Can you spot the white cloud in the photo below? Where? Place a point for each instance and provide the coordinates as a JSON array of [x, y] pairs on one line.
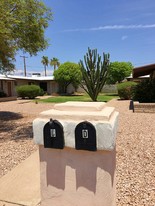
[[48, 72], [17, 72], [113, 27], [124, 37]]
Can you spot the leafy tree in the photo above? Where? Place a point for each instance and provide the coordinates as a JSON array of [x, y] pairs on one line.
[[67, 73], [45, 62], [22, 27], [118, 71], [55, 62], [94, 72]]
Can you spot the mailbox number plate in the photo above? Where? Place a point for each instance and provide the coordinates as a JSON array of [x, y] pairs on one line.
[[53, 132], [84, 133]]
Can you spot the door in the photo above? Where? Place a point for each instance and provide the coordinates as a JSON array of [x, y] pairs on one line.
[[1, 86], [43, 85], [9, 89]]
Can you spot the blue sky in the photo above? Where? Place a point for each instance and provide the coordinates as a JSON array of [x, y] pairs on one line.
[[125, 29]]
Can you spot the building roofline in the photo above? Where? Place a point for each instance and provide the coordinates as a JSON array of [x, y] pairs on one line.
[[3, 77], [47, 78], [143, 70]]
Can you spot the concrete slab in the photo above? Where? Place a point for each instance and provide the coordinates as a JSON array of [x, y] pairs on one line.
[[21, 186], [8, 204]]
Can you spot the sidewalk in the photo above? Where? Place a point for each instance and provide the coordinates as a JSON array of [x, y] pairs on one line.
[[21, 186]]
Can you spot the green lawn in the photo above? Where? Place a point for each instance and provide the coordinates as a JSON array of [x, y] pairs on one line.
[[83, 98]]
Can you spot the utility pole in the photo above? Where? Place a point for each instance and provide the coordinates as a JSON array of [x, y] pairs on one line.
[[24, 57]]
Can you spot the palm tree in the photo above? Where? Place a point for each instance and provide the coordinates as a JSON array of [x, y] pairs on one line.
[[45, 62], [55, 62]]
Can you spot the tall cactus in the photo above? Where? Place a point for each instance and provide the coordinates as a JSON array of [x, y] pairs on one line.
[[94, 72]]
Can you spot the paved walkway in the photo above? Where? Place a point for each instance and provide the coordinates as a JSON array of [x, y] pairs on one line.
[[21, 186]]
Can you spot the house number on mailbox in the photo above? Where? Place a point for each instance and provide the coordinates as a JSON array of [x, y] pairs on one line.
[[85, 136], [85, 133], [53, 132]]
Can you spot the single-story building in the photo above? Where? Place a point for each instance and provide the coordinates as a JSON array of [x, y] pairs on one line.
[[144, 70], [7, 85], [47, 83], [142, 73], [137, 79]]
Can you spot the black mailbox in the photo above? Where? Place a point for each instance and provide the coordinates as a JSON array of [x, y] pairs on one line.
[[85, 136], [53, 135]]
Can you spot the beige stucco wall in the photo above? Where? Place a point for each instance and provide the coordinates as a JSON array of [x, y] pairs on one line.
[[13, 89], [20, 82], [52, 87], [72, 177], [106, 89], [70, 89]]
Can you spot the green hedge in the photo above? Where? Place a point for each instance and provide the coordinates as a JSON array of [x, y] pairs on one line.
[[30, 91], [144, 92], [2, 94], [125, 90]]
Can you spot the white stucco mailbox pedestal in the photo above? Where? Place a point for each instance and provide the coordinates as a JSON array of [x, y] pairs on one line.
[[72, 176]]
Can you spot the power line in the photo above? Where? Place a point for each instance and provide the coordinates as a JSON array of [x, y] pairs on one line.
[[24, 57]]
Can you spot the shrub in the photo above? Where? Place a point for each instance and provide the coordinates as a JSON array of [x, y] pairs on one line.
[[30, 91], [2, 94], [145, 91], [125, 90], [41, 92]]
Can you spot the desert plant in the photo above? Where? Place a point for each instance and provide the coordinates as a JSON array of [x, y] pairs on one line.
[[125, 90], [94, 72], [145, 91], [30, 91]]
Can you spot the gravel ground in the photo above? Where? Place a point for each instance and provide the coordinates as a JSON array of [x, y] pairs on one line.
[[135, 157], [135, 147], [16, 142]]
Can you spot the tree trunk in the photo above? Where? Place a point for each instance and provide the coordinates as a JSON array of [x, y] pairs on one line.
[[45, 70]]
